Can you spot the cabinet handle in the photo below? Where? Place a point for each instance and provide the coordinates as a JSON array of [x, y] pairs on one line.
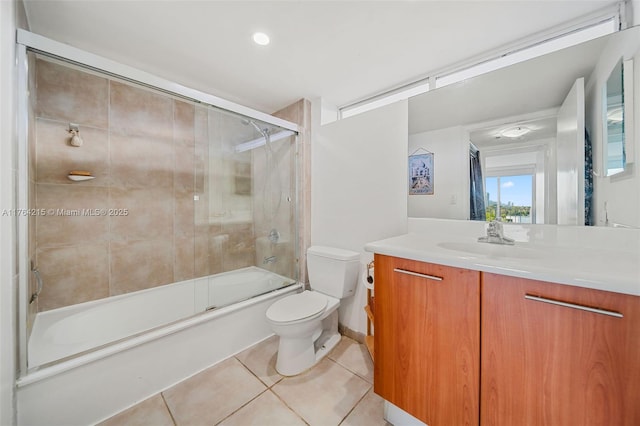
[[574, 306], [418, 274]]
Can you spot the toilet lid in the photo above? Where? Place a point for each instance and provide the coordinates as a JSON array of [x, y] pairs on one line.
[[297, 306]]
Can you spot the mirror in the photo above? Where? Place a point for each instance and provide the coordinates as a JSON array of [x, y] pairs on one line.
[[618, 95], [614, 122], [537, 126]]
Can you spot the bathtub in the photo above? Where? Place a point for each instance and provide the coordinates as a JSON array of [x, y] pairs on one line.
[[60, 333], [110, 354]]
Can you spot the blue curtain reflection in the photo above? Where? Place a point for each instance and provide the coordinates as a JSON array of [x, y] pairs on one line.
[[477, 206]]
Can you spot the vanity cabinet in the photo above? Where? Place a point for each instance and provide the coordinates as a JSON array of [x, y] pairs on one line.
[[558, 355], [427, 340], [550, 354]]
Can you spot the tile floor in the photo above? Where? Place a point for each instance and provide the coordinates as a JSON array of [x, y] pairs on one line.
[[246, 390]]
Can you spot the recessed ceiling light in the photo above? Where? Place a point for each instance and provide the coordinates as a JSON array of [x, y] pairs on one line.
[[515, 132], [261, 38]]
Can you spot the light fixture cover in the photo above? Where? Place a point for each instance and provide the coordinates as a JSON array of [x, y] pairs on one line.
[[515, 132], [261, 38]]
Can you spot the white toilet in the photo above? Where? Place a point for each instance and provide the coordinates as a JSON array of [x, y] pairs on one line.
[[307, 322]]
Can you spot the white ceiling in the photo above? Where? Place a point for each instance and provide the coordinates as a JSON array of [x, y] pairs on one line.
[[341, 51]]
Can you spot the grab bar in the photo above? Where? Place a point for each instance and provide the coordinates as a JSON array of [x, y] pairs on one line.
[[35, 295]]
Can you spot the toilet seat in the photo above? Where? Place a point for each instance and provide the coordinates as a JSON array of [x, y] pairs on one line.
[[297, 307]]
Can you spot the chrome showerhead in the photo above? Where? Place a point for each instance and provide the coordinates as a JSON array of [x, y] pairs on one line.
[[264, 132]]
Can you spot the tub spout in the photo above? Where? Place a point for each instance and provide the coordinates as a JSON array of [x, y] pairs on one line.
[[270, 259]]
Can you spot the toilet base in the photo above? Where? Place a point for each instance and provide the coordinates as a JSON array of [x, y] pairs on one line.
[[296, 355], [329, 342]]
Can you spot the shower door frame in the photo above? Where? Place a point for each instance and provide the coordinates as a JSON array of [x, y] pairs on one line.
[[27, 41]]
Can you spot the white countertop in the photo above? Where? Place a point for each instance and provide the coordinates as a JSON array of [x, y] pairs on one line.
[[592, 257]]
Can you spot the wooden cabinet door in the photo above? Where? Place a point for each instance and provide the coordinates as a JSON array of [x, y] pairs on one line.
[[427, 341], [545, 363]]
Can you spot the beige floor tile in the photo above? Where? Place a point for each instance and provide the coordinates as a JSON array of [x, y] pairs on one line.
[[368, 412], [265, 410], [210, 396], [152, 411], [261, 360], [324, 395], [355, 357]]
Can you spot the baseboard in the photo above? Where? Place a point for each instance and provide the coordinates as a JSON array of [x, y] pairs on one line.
[[352, 334]]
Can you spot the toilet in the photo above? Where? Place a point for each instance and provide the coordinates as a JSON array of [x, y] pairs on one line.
[[307, 322]]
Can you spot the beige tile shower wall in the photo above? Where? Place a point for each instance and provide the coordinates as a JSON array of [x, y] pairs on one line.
[[300, 113], [228, 226], [274, 197], [145, 154]]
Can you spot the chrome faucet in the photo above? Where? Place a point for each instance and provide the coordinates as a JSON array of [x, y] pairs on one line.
[[270, 259], [495, 234]]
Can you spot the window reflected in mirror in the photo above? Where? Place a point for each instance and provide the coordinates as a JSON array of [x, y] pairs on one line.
[[510, 198]]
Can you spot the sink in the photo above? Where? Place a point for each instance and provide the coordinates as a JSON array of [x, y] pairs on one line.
[[493, 250]]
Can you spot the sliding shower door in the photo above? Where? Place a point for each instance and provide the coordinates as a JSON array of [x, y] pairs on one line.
[[134, 189], [245, 208]]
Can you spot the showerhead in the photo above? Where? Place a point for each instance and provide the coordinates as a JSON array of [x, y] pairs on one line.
[[263, 132], [265, 140]]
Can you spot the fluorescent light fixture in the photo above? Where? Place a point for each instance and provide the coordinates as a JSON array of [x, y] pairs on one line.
[[256, 143], [261, 38], [515, 132], [553, 45]]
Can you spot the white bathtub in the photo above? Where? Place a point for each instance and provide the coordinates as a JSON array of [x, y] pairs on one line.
[[68, 331], [170, 343]]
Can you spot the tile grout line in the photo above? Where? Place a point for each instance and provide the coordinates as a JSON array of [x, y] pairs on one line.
[[258, 377], [270, 388], [357, 375], [173, 419], [267, 389], [252, 399], [356, 404], [351, 371], [289, 407], [243, 405]]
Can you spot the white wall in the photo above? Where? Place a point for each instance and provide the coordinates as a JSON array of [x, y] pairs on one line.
[[358, 188], [634, 17], [450, 199], [620, 193], [8, 175]]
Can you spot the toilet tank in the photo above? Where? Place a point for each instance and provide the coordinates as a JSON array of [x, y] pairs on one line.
[[333, 271]]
